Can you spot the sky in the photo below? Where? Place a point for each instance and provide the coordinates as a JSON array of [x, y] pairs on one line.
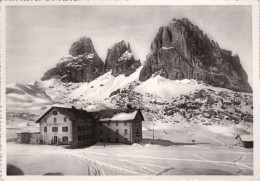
[[38, 36]]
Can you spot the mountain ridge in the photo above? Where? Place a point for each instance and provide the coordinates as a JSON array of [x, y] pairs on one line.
[[181, 50]]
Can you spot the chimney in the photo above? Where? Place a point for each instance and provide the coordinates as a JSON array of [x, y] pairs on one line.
[[73, 107]]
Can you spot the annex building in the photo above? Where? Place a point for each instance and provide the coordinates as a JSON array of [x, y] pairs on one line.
[[77, 127]]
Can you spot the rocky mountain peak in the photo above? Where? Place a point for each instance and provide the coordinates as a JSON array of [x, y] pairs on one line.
[[83, 45], [82, 65], [182, 51], [121, 60]]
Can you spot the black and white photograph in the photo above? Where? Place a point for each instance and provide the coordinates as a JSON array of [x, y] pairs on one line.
[[129, 90]]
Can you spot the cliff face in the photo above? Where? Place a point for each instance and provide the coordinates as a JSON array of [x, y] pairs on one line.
[[82, 65], [182, 51], [121, 60]]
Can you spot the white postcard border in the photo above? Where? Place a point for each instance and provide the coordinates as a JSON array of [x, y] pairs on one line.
[[256, 87]]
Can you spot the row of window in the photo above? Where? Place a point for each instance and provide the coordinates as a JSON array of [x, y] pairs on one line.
[[55, 120], [84, 128], [109, 123], [109, 140], [109, 131], [83, 137], [55, 129]]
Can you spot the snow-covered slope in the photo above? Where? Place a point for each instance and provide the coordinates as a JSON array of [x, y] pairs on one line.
[[176, 101], [166, 88], [20, 96], [92, 92]]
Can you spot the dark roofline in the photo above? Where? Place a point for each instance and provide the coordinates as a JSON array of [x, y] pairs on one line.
[[56, 107], [53, 107], [38, 120], [238, 136], [140, 112]]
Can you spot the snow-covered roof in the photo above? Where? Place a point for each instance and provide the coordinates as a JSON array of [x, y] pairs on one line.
[[104, 119], [124, 116], [121, 116], [246, 137]]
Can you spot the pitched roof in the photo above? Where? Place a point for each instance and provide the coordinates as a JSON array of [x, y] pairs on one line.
[[72, 113], [124, 116], [116, 114], [245, 138], [103, 115]]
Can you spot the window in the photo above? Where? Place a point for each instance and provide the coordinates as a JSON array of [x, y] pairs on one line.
[[101, 139], [100, 124], [85, 137], [108, 139], [55, 112], [65, 138], [79, 138], [116, 123], [45, 120], [125, 123], [117, 131], [65, 119], [117, 140], [125, 131], [100, 132], [54, 129], [83, 128], [108, 123], [80, 128], [65, 129], [108, 131], [125, 139], [45, 129], [55, 120]]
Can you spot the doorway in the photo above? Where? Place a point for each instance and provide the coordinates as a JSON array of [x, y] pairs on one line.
[[55, 139]]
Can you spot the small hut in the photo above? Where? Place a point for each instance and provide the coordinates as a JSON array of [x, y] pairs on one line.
[[28, 137], [245, 140]]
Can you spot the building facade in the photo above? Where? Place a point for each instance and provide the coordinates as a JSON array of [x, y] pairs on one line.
[[122, 127], [76, 127], [69, 126]]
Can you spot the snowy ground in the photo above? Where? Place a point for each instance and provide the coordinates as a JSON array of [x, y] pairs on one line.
[[171, 153], [194, 144]]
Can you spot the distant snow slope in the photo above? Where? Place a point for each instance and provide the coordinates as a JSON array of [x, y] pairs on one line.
[[162, 87], [23, 96], [103, 86], [157, 95]]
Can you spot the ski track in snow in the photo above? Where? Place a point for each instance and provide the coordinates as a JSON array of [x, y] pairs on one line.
[[178, 159], [223, 144], [98, 164], [210, 161], [139, 165]]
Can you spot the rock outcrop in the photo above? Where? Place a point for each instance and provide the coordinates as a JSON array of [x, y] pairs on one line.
[[182, 51], [82, 65], [121, 60]]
